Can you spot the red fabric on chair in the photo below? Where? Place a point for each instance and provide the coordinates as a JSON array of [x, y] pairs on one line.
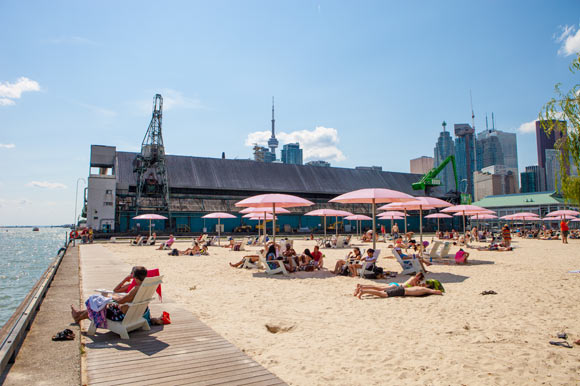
[[150, 273]]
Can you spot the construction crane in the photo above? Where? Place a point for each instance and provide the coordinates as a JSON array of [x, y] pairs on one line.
[[151, 167], [429, 180]]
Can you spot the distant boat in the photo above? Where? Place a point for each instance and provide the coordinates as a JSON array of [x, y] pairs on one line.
[[35, 229]]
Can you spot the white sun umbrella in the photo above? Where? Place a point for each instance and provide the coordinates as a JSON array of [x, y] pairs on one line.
[[372, 196], [329, 212], [219, 216], [150, 217], [438, 216], [274, 201], [264, 211], [564, 214], [359, 218]]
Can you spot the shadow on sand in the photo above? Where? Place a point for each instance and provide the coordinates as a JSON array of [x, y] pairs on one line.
[[140, 340]]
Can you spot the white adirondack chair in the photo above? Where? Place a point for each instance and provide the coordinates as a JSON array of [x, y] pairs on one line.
[[410, 266], [134, 317], [434, 247], [363, 271], [272, 271], [445, 250]]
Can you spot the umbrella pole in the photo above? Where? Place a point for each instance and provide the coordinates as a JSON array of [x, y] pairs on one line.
[[437, 224], [149, 229], [274, 222], [336, 226], [374, 224], [265, 224], [421, 222], [464, 224], [405, 222], [219, 231], [324, 228]]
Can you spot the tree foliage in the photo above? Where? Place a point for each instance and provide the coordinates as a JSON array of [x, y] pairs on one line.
[[565, 106]]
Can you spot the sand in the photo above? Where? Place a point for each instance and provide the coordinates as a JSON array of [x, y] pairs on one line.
[[327, 336]]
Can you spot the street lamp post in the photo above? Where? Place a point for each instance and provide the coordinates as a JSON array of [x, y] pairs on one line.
[[76, 203]]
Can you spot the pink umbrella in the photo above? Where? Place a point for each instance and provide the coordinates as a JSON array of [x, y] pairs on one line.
[[372, 196], [564, 214], [462, 210], [264, 211], [359, 218], [395, 212], [149, 217], [274, 200], [551, 219], [329, 212], [438, 216], [483, 217], [219, 216], [267, 216], [421, 203]]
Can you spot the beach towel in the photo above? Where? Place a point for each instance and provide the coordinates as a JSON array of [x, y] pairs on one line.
[[435, 284], [150, 273], [98, 314]]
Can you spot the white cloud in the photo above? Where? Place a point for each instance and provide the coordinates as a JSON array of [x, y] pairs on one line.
[[527, 127], [5, 203], [318, 144], [46, 185], [99, 110], [73, 40], [7, 146], [10, 91], [570, 39], [172, 99]]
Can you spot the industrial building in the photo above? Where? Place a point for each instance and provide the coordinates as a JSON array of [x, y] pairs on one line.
[[200, 185]]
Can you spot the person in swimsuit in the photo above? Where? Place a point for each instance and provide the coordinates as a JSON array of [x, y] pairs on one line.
[[395, 290], [116, 310], [414, 281], [351, 258]]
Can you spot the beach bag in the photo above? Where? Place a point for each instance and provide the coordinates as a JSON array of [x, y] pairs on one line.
[[435, 284], [175, 252]]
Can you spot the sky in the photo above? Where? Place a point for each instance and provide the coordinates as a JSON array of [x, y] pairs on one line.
[[356, 83]]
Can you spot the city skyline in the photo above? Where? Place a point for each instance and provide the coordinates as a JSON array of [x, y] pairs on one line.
[[350, 80]]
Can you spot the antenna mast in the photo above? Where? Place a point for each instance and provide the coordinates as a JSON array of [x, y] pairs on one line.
[[474, 133]]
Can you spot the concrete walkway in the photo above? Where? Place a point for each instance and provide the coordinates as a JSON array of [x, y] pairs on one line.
[[184, 352], [41, 361]]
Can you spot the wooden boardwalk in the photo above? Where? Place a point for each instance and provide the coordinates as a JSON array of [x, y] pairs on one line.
[[186, 352]]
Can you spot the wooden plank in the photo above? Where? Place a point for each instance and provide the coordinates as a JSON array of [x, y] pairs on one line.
[[184, 352]]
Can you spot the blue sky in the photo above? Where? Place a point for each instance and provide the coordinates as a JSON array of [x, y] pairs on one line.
[[359, 83]]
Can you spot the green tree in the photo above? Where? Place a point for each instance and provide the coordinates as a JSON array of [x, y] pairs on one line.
[[565, 106]]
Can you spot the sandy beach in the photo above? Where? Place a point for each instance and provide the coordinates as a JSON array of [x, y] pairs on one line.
[[328, 336]]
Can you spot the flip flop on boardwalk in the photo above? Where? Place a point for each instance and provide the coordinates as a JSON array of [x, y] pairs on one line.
[[65, 334]]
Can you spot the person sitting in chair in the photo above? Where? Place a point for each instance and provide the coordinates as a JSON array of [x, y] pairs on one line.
[[138, 240], [341, 267], [369, 262], [167, 244]]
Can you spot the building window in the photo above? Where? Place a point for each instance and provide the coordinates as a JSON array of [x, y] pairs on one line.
[[108, 203], [108, 191], [95, 218]]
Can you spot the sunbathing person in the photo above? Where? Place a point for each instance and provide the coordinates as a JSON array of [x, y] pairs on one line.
[[193, 251], [138, 240], [369, 262], [271, 255], [341, 266], [495, 247], [415, 281], [167, 244], [153, 239], [418, 257], [252, 258], [318, 258], [396, 290], [116, 309]]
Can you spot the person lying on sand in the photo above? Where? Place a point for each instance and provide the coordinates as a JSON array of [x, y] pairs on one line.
[[414, 281], [495, 247], [116, 310], [395, 291], [195, 250]]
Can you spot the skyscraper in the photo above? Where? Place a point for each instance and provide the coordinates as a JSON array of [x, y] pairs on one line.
[[291, 154], [496, 147], [545, 141], [465, 154], [533, 179], [273, 142], [443, 149], [421, 165], [552, 169]]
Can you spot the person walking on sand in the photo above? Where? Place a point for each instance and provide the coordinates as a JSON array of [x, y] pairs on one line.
[[564, 229], [507, 236]]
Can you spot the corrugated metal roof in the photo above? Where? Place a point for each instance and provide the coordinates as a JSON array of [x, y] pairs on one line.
[[521, 199], [248, 175]]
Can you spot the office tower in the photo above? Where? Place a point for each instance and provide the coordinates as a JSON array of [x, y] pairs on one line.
[[443, 149], [533, 179], [318, 163], [263, 154], [496, 147], [421, 165], [291, 154], [552, 169], [465, 155], [545, 141]]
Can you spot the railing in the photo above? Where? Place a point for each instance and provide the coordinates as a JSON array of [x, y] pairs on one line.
[[18, 325]]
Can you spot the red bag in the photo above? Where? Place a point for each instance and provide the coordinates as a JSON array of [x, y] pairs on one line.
[[165, 318]]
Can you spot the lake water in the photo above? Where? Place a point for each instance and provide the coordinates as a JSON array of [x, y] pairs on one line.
[[24, 256]]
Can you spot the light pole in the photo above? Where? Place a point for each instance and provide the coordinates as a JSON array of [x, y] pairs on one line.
[[76, 203]]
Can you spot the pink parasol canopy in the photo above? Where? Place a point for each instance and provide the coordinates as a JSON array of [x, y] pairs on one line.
[[359, 218], [521, 216], [266, 210], [576, 220], [438, 216], [274, 200], [372, 196], [389, 216], [567, 213], [395, 212], [150, 217], [463, 210], [219, 216], [551, 219], [483, 217], [329, 212]]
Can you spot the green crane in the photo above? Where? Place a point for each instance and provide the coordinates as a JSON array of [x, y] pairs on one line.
[[429, 180]]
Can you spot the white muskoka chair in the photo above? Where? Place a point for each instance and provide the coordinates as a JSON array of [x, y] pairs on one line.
[[445, 250], [410, 266], [134, 317], [363, 271], [272, 271]]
